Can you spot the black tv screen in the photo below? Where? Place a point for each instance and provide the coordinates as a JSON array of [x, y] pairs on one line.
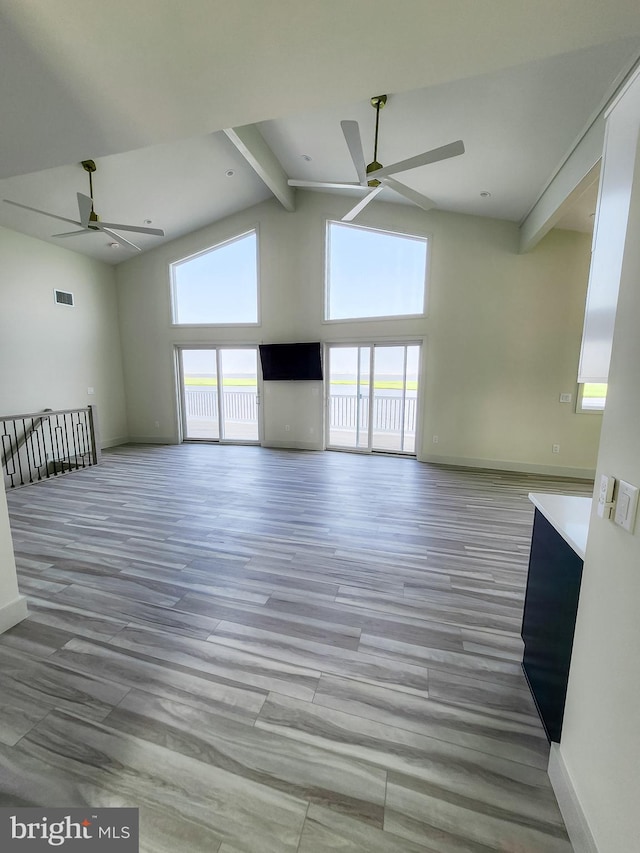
[[291, 361]]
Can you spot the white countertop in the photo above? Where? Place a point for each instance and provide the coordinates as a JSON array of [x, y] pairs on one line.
[[569, 515]]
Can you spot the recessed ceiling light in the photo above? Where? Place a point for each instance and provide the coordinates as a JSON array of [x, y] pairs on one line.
[[114, 245], [148, 221], [306, 157], [230, 173], [485, 194]]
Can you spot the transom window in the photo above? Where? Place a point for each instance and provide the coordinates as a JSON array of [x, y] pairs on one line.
[[372, 273], [219, 285]]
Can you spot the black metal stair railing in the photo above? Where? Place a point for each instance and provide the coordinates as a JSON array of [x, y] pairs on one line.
[[40, 445]]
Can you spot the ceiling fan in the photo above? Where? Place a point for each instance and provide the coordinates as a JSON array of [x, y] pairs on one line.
[[375, 176], [89, 221]]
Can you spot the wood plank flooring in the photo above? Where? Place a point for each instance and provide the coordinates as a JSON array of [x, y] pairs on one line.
[[279, 651]]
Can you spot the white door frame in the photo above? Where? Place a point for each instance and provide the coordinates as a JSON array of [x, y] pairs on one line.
[[372, 344], [182, 413]]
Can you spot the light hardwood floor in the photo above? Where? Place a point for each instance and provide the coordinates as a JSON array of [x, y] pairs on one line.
[[275, 651]]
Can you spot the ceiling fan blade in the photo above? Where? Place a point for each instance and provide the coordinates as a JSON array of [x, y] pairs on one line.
[[422, 201], [43, 212], [73, 233], [324, 184], [156, 232], [118, 238], [85, 206], [351, 133], [453, 149], [360, 206]]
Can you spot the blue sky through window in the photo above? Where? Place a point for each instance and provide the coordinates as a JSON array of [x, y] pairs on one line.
[[374, 273], [220, 285]]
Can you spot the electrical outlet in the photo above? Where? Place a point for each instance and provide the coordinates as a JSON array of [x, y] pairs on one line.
[[157, 424], [90, 391], [435, 439], [555, 448], [565, 398], [287, 427]]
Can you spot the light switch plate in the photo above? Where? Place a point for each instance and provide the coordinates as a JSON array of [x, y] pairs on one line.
[[626, 506], [605, 496]]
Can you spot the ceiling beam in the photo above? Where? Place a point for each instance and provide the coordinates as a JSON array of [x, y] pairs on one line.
[[250, 143], [576, 174]]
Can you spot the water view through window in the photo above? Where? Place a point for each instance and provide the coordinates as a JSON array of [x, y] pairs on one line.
[[220, 394], [373, 395]]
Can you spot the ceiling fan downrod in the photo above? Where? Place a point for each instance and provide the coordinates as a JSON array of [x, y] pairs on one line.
[[90, 167], [377, 103]]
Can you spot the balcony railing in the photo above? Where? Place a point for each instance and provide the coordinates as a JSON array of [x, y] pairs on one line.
[[388, 414], [237, 405], [40, 445]]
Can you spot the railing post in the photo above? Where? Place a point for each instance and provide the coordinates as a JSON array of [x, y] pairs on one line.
[[94, 428]]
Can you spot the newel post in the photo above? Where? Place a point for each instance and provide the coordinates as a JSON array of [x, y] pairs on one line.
[[94, 428]]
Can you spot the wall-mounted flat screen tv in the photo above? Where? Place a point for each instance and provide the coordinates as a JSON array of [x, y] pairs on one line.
[[291, 361]]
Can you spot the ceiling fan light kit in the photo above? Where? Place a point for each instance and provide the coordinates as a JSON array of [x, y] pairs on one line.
[[89, 221], [374, 175]]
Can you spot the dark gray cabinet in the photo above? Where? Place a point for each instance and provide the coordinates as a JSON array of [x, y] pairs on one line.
[[548, 625]]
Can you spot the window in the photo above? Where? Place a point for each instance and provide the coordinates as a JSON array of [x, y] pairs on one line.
[[219, 285], [591, 397], [373, 273]]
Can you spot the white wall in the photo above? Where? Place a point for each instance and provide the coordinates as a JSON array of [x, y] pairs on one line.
[[502, 335], [612, 214], [600, 745], [503, 345], [51, 354], [13, 606]]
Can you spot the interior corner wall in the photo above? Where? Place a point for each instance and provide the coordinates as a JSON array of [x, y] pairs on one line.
[[504, 344], [50, 354], [600, 745], [502, 335]]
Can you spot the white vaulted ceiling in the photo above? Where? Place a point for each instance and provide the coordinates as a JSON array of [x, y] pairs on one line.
[[145, 88]]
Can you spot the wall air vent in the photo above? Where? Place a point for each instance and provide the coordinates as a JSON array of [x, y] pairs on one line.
[[63, 298]]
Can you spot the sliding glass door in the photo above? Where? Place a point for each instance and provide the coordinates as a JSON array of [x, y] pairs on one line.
[[220, 394], [348, 402], [372, 397], [395, 396]]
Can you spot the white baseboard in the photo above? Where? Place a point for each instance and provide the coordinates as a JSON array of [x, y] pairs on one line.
[[152, 439], [570, 808], [12, 613], [522, 467], [292, 445], [114, 442]]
